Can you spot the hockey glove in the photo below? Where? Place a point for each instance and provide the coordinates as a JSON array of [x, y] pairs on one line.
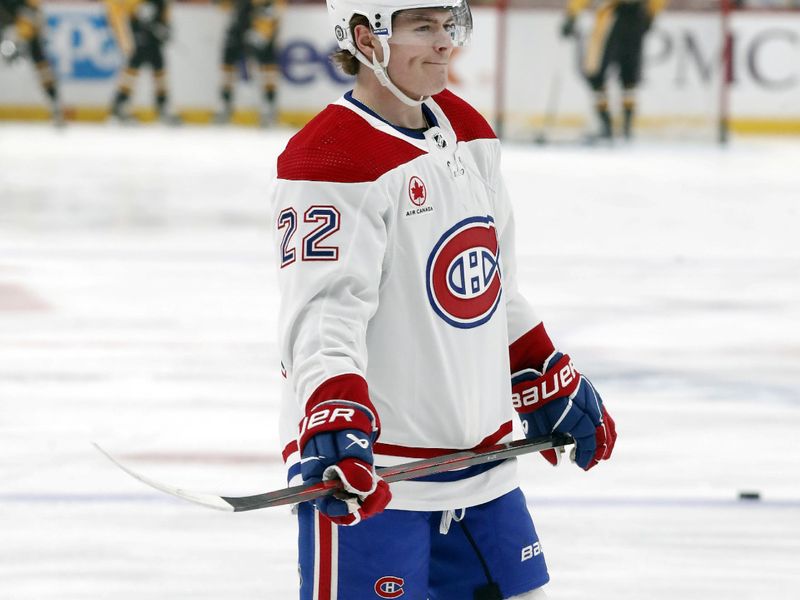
[[9, 50], [561, 399], [336, 438]]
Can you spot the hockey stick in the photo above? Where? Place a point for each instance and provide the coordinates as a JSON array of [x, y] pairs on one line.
[[410, 470], [553, 99], [551, 109]]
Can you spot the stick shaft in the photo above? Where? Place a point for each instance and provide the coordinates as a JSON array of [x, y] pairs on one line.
[[404, 472]]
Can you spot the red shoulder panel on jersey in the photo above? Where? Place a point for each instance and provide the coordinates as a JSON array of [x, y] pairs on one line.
[[339, 146], [467, 122]]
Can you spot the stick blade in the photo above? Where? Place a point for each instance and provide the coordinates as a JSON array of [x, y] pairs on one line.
[[403, 472], [207, 500]]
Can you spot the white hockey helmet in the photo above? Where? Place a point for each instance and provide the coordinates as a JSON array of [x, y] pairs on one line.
[[379, 14]]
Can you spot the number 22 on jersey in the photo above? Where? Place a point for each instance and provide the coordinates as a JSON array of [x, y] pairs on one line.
[[322, 221]]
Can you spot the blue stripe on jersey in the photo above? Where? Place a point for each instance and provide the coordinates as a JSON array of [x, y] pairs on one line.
[[293, 472], [414, 133], [458, 475]]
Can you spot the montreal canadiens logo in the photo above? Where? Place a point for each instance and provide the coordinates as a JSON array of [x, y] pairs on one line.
[[463, 274], [416, 191], [389, 587]]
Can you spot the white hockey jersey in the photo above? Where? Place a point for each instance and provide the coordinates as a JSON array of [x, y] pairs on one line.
[[396, 267]]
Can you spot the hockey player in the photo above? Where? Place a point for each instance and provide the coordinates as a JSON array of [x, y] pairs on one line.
[[142, 28], [26, 17], [253, 31], [402, 331], [616, 39]]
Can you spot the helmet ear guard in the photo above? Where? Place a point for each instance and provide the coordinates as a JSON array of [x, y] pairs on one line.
[[379, 17]]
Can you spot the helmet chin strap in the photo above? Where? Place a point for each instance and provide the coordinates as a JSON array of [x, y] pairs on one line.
[[382, 75]]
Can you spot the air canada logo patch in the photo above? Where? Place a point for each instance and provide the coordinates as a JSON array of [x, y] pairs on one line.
[[418, 195], [416, 191], [463, 274], [389, 587]]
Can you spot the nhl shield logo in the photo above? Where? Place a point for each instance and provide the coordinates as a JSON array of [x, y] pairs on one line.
[[416, 191], [463, 273]]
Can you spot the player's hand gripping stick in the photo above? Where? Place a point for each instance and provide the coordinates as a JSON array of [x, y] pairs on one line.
[[336, 438], [560, 399]]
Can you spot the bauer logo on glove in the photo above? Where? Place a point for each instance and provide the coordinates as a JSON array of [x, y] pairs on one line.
[[560, 399], [560, 380], [336, 440]]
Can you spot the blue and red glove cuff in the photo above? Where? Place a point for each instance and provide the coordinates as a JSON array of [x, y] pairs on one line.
[[530, 389], [349, 387], [337, 416], [339, 403]]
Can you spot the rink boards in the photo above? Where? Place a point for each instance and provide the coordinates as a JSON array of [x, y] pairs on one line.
[[683, 81]]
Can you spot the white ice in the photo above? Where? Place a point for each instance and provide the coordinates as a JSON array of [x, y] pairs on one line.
[[137, 310]]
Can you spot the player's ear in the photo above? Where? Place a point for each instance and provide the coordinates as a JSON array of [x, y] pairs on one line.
[[365, 41]]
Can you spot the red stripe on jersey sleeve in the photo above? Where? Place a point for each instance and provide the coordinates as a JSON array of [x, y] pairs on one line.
[[531, 350], [348, 386], [290, 449], [467, 122], [339, 146]]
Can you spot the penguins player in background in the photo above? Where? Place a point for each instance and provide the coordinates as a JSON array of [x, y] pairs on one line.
[[142, 28], [252, 32], [616, 39], [25, 17]]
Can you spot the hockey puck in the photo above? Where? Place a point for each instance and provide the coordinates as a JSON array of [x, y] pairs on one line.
[[748, 495]]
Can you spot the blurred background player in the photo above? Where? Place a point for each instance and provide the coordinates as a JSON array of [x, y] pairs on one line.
[[616, 39], [253, 31], [25, 17], [141, 28]]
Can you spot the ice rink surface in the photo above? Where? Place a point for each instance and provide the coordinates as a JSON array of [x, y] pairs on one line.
[[137, 310]]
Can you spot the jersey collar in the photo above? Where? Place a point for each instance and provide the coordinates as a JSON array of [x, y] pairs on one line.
[[414, 133]]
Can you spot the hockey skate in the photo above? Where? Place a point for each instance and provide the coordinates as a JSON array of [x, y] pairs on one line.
[[604, 135], [627, 124], [169, 118], [268, 117], [223, 117], [57, 114], [120, 113]]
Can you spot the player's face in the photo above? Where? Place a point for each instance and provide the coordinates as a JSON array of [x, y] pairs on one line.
[[421, 46]]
